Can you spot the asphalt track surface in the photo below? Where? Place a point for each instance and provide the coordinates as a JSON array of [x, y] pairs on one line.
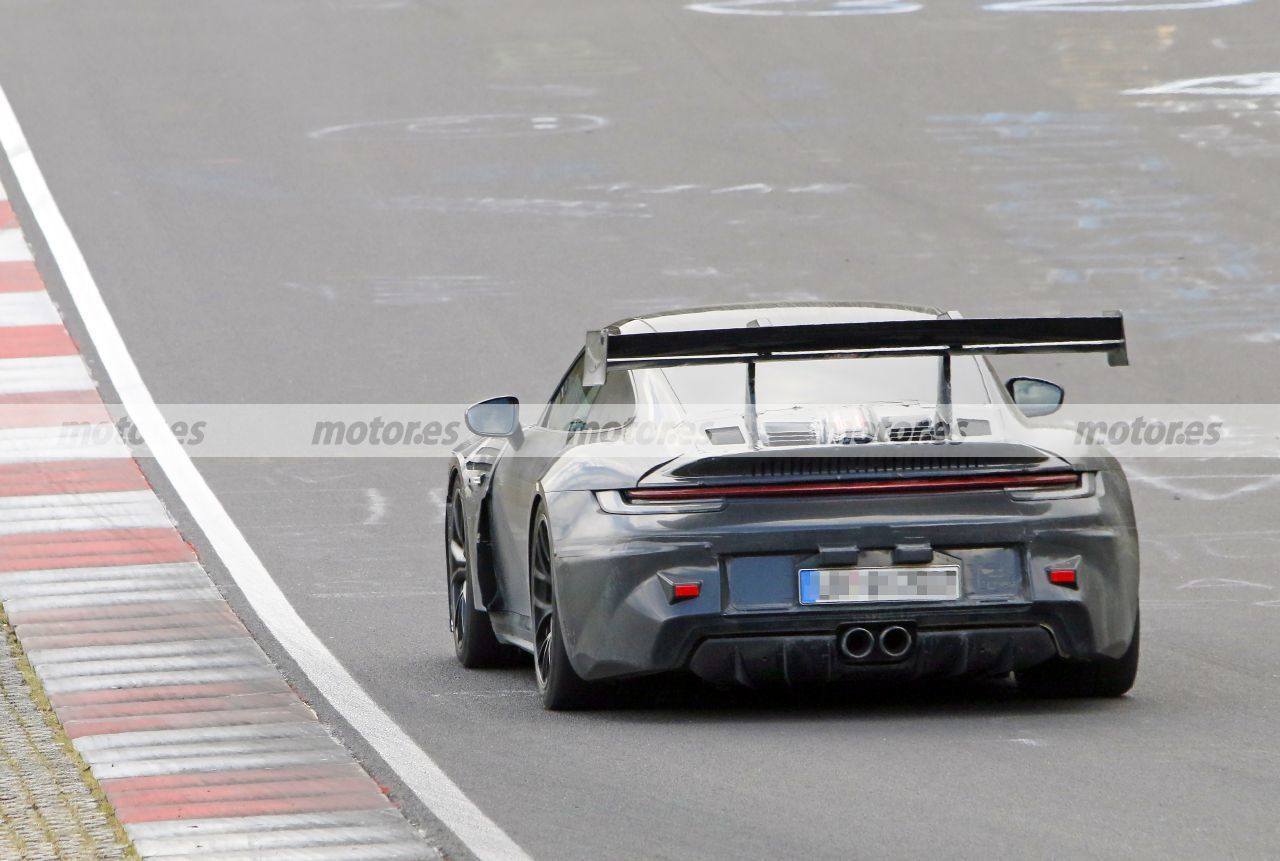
[[266, 228]]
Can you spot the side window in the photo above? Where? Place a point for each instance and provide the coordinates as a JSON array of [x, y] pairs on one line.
[[613, 404], [575, 408], [569, 402]]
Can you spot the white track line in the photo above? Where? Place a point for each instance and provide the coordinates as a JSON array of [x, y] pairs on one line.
[[415, 768]]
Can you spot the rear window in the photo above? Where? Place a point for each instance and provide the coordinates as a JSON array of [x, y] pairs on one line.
[[908, 379]]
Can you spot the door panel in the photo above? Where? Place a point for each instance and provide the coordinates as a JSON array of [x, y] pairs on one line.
[[514, 484]]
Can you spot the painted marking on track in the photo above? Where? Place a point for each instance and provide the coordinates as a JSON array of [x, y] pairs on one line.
[[1108, 5], [419, 772], [1258, 547], [1178, 484], [461, 126], [805, 8], [1221, 583], [1252, 84], [377, 504], [1171, 251], [757, 187], [1235, 114]]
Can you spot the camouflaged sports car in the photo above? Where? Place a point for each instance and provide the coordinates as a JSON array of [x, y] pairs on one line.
[[797, 493]]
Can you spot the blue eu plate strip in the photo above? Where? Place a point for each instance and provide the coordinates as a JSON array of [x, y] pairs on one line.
[[809, 578]]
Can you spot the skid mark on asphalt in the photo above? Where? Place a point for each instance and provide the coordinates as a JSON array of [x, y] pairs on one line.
[[461, 126], [538, 206], [1235, 114], [1110, 5], [1209, 547], [707, 291], [805, 8], [556, 59], [693, 272], [1083, 193], [377, 504], [435, 507], [1096, 62], [373, 5], [1229, 486], [1221, 583], [1254, 84], [393, 292], [560, 91], [383, 594], [633, 189]]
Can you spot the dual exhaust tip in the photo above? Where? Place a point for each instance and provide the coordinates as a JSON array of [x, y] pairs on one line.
[[860, 644]]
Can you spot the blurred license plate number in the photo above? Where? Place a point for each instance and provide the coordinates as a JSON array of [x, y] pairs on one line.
[[869, 585]]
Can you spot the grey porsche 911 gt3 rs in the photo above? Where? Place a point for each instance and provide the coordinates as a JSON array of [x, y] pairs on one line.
[[797, 493]]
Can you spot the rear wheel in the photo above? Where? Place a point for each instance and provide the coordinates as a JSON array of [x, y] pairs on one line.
[[561, 688], [473, 640], [1104, 677]]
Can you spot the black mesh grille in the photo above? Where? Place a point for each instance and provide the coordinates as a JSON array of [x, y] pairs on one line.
[[790, 433], [841, 467], [922, 432]]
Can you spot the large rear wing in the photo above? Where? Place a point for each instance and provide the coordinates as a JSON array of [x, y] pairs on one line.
[[942, 336]]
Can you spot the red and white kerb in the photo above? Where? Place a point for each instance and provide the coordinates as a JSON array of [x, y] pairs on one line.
[[198, 742]]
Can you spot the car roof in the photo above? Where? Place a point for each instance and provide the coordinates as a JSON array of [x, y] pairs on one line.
[[770, 314]]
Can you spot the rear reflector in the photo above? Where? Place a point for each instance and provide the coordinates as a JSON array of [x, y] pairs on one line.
[[686, 590], [1063, 577], [944, 484]]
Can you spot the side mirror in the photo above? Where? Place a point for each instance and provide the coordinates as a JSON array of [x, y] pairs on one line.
[[494, 417], [1035, 397]]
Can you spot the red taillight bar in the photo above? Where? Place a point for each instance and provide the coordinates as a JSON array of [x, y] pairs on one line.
[[894, 485]]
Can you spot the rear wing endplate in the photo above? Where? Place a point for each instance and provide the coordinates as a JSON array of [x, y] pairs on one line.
[[943, 336]]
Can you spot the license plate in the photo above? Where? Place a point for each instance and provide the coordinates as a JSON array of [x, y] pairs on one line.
[[869, 585]]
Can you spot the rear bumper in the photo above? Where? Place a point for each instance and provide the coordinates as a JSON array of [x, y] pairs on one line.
[[747, 625]]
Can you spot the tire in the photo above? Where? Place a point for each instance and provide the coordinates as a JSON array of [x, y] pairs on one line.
[[1104, 677], [561, 688], [473, 639]]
